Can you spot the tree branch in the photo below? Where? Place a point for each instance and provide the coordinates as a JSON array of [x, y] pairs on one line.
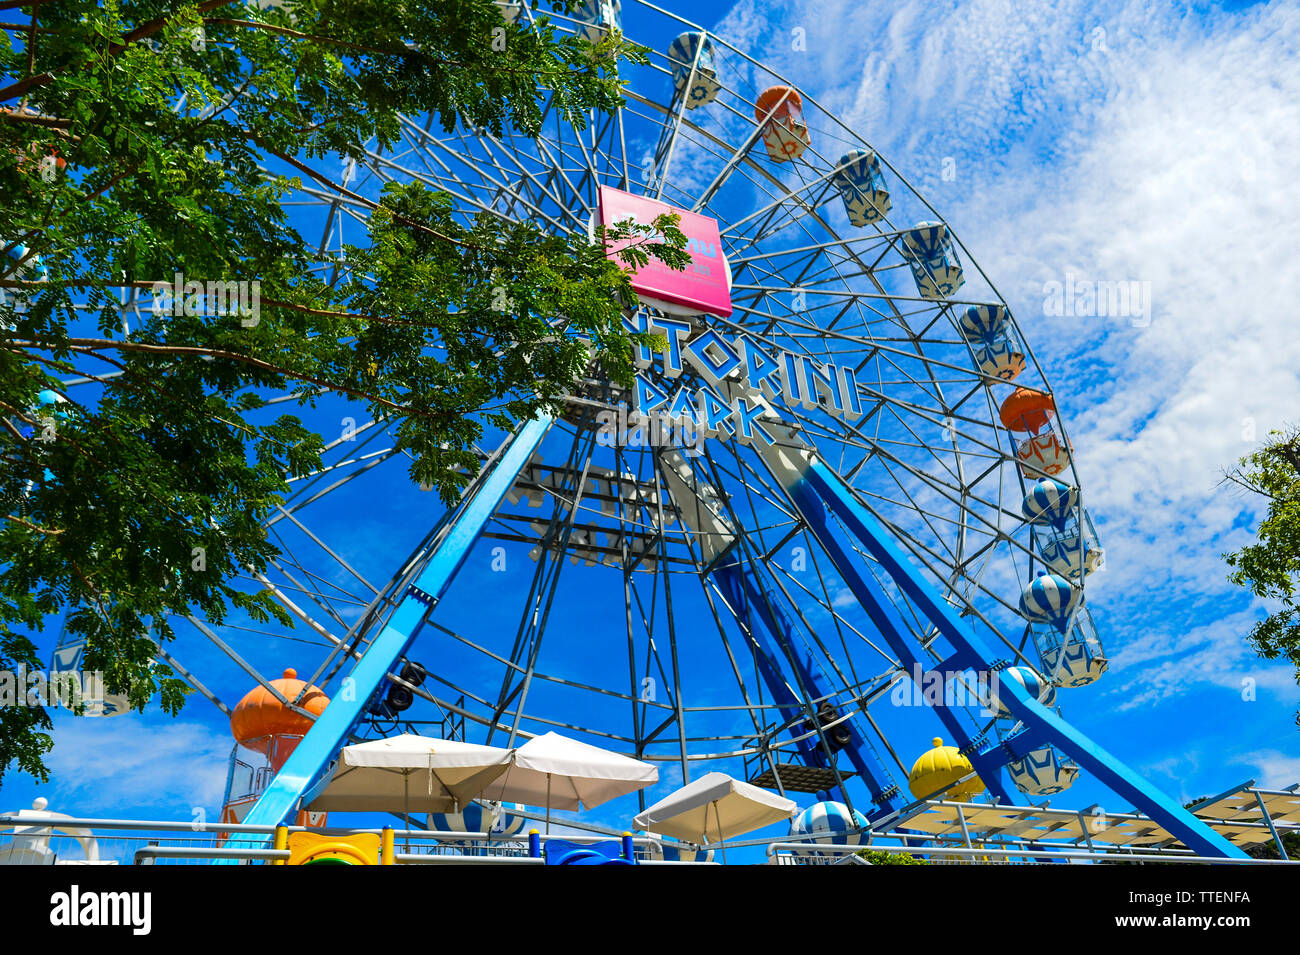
[[30, 526]]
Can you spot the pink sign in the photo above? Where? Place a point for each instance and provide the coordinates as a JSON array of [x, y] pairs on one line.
[[704, 287]]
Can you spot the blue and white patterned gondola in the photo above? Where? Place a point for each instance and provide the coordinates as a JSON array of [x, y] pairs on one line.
[[1034, 683], [47, 412], [31, 270], [1049, 502], [671, 851], [983, 323], [1041, 773], [1003, 360], [1050, 598], [861, 185], [830, 823], [67, 670], [493, 817], [598, 17], [1083, 663], [1070, 554], [988, 330], [929, 251], [1076, 658], [682, 56]]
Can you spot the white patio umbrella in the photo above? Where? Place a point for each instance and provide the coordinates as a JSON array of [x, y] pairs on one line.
[[561, 773], [418, 773], [715, 805]]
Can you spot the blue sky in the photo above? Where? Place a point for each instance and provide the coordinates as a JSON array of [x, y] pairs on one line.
[[1112, 141]]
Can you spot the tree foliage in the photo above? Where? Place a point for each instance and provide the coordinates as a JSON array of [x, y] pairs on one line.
[[879, 857], [1270, 567], [142, 139]]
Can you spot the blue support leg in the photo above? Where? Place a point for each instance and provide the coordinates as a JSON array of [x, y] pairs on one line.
[[747, 599], [819, 486], [873, 599], [345, 711]]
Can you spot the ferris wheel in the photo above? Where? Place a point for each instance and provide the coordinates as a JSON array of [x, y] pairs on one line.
[[843, 483]]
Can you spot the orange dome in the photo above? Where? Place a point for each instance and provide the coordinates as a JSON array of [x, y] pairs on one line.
[[1027, 410], [773, 95], [260, 714]]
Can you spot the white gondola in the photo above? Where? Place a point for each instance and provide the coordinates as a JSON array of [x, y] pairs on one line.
[[18, 266], [1049, 501], [1073, 550], [498, 819], [1043, 454], [691, 57], [73, 685], [983, 323], [510, 9], [861, 185], [929, 251], [598, 17], [830, 823], [1075, 658], [1041, 773], [998, 352], [1050, 599], [1033, 682], [1004, 360], [779, 111]]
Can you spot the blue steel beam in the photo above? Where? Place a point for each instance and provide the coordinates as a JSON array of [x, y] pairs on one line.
[[728, 580], [747, 599], [889, 623], [821, 487], [345, 711]]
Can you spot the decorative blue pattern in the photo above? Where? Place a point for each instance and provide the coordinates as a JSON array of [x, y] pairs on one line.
[[682, 54], [492, 817], [1050, 598], [830, 822], [1041, 773], [1001, 360], [861, 184], [67, 659], [599, 16], [1075, 659], [935, 266], [1069, 553], [1034, 683], [983, 323], [1049, 502]]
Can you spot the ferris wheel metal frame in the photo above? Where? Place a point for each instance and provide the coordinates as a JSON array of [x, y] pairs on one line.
[[916, 570]]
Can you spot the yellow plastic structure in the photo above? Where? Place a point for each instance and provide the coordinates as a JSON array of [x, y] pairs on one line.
[[939, 769], [361, 848]]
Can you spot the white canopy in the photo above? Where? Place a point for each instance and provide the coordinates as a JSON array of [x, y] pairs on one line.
[[715, 806], [561, 773], [407, 772]]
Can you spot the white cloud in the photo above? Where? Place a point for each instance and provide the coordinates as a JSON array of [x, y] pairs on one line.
[[1274, 770], [130, 763]]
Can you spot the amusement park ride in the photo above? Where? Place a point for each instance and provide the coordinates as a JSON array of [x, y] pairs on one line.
[[880, 491]]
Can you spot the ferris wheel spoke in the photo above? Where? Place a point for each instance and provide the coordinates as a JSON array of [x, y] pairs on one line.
[[448, 181]]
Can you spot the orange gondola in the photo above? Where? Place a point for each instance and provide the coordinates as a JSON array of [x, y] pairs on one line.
[[784, 134], [1027, 410]]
